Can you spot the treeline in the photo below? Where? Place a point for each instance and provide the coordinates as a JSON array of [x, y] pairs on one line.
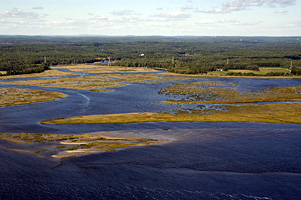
[[13, 68], [187, 55], [28, 57], [254, 74]]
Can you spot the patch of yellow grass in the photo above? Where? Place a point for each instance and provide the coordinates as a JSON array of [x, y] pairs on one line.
[[86, 82], [266, 113], [18, 96]]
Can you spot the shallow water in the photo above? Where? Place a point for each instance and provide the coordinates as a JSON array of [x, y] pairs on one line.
[[201, 161]]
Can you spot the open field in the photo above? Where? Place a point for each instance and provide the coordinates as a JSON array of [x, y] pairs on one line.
[[63, 146], [263, 71], [266, 113], [47, 73], [17, 96]]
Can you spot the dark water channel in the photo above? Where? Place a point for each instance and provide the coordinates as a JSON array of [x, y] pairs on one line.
[[202, 161]]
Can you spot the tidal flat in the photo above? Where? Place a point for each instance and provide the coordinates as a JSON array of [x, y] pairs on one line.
[[64, 146]]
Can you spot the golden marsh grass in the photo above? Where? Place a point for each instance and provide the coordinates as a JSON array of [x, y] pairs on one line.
[[266, 113], [18, 96], [85, 82]]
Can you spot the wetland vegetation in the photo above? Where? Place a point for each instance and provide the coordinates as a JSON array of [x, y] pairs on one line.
[[266, 113], [220, 93], [18, 96]]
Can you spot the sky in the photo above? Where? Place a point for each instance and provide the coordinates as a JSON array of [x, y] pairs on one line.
[[151, 17]]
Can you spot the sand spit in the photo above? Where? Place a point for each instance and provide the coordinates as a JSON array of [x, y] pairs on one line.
[[65, 146]]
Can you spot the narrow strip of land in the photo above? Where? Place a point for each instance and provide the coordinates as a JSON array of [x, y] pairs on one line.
[[266, 113], [62, 146]]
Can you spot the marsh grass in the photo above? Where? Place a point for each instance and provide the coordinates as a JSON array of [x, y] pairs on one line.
[[265, 113], [18, 96], [60, 146], [98, 82], [105, 69], [211, 92], [85, 82]]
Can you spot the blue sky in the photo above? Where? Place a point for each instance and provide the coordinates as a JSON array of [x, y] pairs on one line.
[[152, 17]]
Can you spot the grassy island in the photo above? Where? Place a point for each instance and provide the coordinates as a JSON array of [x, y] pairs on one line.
[[266, 113], [18, 96]]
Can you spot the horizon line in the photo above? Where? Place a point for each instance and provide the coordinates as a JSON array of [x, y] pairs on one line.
[[91, 35]]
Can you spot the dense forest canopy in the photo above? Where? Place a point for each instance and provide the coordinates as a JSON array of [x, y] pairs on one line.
[[192, 55]]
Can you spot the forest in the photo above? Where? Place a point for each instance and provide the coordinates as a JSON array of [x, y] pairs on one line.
[[185, 55]]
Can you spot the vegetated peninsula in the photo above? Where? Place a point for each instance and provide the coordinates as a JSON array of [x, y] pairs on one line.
[[216, 56]]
